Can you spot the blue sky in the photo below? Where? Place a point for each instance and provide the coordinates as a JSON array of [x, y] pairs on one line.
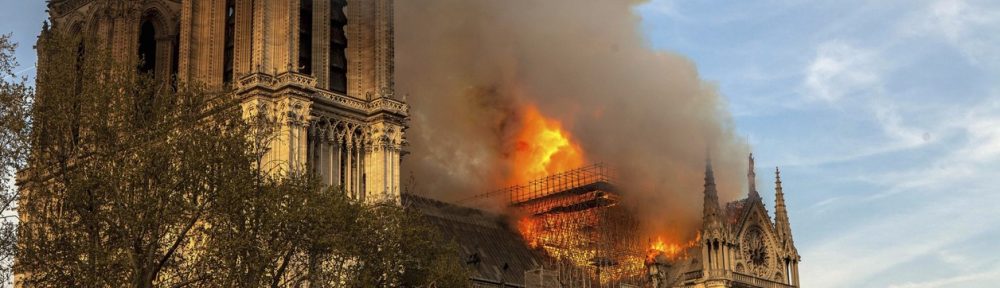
[[23, 20], [884, 116], [885, 119]]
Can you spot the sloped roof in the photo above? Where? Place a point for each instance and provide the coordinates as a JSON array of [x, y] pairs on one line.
[[735, 211], [493, 251]]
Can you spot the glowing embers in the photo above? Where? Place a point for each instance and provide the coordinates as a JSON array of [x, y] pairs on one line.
[[542, 148], [661, 251], [588, 230]]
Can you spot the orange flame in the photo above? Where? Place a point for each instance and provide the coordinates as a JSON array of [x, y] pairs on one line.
[[527, 228], [542, 148], [672, 251]]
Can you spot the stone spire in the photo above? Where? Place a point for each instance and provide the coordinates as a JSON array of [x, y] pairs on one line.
[[780, 213], [712, 219], [752, 180]]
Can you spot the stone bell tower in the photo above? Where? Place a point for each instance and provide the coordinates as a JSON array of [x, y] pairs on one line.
[[321, 70]]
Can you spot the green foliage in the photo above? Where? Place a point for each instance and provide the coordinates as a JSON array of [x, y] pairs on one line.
[[15, 127], [132, 183]]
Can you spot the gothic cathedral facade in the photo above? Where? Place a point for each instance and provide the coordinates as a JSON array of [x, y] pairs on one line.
[[322, 70], [739, 245]]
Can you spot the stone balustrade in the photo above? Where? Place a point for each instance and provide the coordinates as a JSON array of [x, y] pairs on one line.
[[757, 282]]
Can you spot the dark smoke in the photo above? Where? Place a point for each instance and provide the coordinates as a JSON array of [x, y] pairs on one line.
[[467, 65]]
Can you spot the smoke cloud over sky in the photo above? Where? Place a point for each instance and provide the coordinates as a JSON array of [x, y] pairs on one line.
[[471, 67]]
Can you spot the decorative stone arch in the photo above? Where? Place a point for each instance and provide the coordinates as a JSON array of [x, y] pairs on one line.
[[156, 40], [99, 28]]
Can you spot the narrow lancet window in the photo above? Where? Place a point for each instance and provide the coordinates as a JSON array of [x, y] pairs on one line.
[[230, 42], [305, 36], [338, 44], [147, 48]]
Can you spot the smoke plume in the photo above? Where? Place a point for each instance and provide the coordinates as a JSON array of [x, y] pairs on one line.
[[470, 66]]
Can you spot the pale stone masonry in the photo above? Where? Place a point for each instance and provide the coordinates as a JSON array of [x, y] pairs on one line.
[[740, 246], [322, 68]]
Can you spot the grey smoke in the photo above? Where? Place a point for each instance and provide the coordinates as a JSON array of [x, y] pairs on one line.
[[467, 65]]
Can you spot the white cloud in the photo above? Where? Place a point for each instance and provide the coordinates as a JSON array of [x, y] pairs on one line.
[[969, 26], [839, 70], [981, 279]]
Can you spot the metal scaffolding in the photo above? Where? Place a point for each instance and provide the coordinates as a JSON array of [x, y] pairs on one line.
[[575, 217]]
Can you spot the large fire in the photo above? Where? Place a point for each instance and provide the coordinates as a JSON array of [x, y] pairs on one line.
[[542, 147], [672, 251], [584, 227]]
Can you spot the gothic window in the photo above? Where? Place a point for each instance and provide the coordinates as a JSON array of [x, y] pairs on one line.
[[175, 59], [305, 36], [147, 48], [230, 42], [338, 44]]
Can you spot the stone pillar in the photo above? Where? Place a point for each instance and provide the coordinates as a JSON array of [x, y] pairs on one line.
[[321, 157], [303, 146], [732, 259], [705, 259], [338, 161], [359, 170], [384, 181], [293, 133], [795, 271], [329, 157], [348, 183], [164, 47], [725, 256]]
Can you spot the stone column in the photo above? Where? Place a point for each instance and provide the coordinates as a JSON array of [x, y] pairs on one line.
[[303, 147], [706, 260], [338, 161], [385, 170], [329, 157], [362, 165], [164, 45], [795, 271], [321, 157], [348, 184], [293, 133], [732, 258], [725, 256]]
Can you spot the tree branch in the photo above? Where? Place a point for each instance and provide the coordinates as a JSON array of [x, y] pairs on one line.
[[177, 242], [281, 269]]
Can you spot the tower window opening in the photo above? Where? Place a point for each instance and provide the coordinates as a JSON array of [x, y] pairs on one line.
[[147, 48], [305, 36], [230, 42], [338, 44]]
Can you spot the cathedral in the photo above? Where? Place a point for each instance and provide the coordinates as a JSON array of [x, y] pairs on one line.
[[323, 69], [739, 245]]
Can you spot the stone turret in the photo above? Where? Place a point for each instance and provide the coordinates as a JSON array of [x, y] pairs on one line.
[[717, 247], [784, 231], [711, 218], [780, 212], [752, 180]]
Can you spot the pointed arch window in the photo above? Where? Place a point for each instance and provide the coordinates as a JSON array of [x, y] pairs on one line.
[[305, 36], [229, 43], [147, 47], [337, 46]]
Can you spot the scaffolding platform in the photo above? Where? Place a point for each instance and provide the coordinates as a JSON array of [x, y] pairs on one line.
[[575, 217]]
